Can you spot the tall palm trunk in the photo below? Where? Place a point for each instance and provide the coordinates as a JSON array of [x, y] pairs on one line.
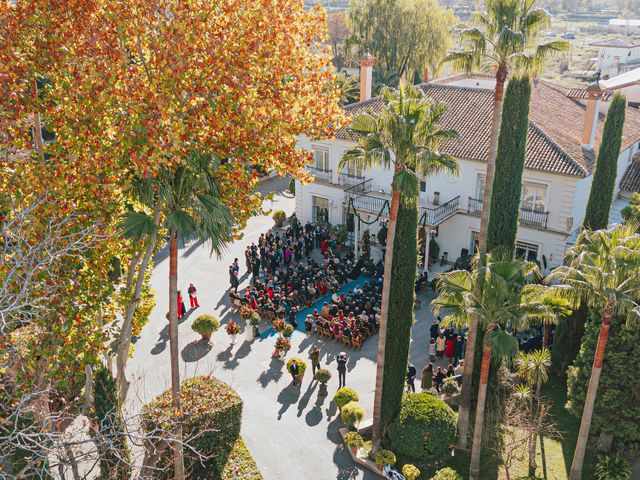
[[178, 460], [127, 324], [382, 337], [498, 96], [474, 468], [532, 437], [590, 400], [467, 380]]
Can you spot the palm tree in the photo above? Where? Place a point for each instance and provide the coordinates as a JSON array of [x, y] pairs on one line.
[[493, 295], [534, 368], [191, 210], [348, 88], [404, 135], [603, 269], [504, 35]]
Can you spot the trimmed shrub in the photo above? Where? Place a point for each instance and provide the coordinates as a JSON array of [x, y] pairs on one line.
[[279, 217], [240, 465], [205, 324], [302, 365], [344, 396], [292, 186], [450, 386], [287, 331], [212, 413], [254, 318], [612, 467], [425, 428], [447, 474], [385, 457], [410, 472], [352, 414], [353, 439], [322, 375]]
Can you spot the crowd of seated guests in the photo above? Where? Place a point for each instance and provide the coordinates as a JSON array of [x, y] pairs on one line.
[[351, 318]]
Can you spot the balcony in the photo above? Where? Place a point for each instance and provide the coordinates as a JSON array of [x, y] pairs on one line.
[[529, 217], [324, 176], [347, 179]]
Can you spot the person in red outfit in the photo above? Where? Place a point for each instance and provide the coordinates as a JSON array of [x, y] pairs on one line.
[[181, 309], [193, 296], [449, 348]]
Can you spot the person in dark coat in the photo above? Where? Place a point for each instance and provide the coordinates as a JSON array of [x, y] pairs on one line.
[[233, 277], [434, 330], [458, 350], [314, 356], [439, 379], [294, 371], [411, 377], [342, 368], [427, 377]]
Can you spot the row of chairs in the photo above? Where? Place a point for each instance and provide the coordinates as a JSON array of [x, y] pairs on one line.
[[347, 342]]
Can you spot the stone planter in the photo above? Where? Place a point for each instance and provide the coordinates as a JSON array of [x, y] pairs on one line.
[[248, 331], [322, 391], [206, 336]]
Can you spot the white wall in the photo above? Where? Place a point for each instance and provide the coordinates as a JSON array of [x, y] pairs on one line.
[[609, 58]]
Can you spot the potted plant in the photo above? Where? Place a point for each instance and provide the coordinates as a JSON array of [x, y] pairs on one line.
[[345, 395], [384, 458], [246, 312], [287, 331], [232, 329], [279, 324], [352, 414], [253, 320], [205, 325], [410, 472], [282, 347], [450, 387], [354, 440], [279, 217], [323, 376], [302, 366]]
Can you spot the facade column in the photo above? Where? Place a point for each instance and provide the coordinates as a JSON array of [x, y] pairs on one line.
[[356, 235], [427, 239]]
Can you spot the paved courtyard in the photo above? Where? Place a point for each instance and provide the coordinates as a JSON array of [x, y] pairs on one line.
[[291, 432]]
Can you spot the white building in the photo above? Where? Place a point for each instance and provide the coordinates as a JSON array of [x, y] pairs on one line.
[[627, 83], [563, 137], [616, 56], [625, 26]]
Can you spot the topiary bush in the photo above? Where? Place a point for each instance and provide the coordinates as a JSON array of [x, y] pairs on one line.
[[425, 428], [612, 467], [287, 331], [279, 217], [205, 325], [322, 375], [353, 439], [345, 395], [352, 414], [212, 413], [302, 365], [447, 474]]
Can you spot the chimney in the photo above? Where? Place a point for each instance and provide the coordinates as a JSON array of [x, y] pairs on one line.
[[425, 75], [366, 75], [594, 95]]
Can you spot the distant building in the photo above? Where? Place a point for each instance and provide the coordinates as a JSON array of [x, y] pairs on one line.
[[617, 56], [627, 83], [625, 26]]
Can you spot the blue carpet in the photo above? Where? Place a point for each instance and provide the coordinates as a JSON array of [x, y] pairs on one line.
[[302, 314]]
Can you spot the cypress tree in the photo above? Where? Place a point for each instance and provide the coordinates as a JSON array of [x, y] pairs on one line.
[[604, 177], [110, 434], [507, 183], [400, 319]]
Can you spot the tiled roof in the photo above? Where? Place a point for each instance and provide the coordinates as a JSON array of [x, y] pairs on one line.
[[616, 43], [555, 127], [582, 94], [631, 180]]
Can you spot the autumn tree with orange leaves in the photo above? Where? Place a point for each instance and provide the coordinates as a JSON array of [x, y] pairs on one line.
[[96, 95]]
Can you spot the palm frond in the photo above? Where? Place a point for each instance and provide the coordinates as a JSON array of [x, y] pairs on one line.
[[137, 225]]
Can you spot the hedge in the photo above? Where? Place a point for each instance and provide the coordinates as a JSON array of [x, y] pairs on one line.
[[345, 395], [424, 430], [212, 415], [240, 465], [352, 414], [447, 473]]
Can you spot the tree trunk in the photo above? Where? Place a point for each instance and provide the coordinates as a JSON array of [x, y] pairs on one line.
[[178, 460], [127, 325], [37, 129], [474, 468], [532, 439], [590, 400], [382, 337], [501, 77], [467, 381]]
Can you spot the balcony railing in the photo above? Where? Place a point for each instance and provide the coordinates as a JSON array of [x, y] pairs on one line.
[[321, 175], [363, 187], [436, 215], [368, 203], [348, 179], [532, 218]]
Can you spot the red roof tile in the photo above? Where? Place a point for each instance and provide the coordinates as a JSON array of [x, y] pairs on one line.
[[631, 180]]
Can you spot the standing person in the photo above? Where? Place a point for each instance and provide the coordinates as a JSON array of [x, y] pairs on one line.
[[439, 379], [342, 369], [440, 345], [193, 296], [411, 377], [434, 329], [449, 347], [314, 356], [432, 350], [255, 267], [181, 307], [294, 370], [458, 350], [427, 377], [248, 257], [233, 277]]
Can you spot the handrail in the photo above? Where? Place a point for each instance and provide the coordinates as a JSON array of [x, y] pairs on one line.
[[322, 175], [362, 187], [434, 216], [527, 216]]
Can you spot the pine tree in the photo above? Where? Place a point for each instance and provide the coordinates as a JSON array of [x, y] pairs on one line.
[[505, 197], [604, 177]]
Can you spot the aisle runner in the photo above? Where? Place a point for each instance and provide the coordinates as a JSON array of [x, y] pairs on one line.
[[302, 314]]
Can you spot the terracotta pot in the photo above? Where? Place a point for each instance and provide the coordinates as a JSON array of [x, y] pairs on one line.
[[206, 336], [354, 449], [299, 378], [380, 467], [322, 392]]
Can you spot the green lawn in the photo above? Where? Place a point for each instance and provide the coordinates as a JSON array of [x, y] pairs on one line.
[[554, 459]]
